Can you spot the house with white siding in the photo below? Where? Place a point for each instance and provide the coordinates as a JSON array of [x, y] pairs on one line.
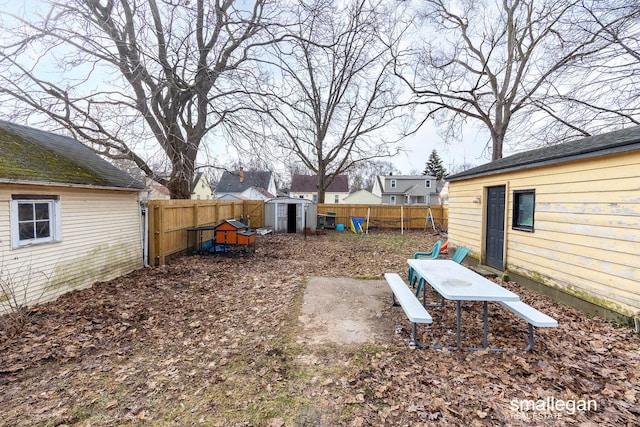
[[363, 197], [68, 218], [246, 185], [405, 189], [564, 219], [306, 187]]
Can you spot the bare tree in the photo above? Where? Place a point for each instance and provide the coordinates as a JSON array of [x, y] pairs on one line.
[[129, 76], [605, 87], [363, 174], [334, 100], [492, 62]]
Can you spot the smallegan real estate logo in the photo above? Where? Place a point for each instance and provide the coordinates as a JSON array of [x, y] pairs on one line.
[[549, 408]]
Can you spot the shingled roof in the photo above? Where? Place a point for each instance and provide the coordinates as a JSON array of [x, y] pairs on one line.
[[607, 143], [309, 184], [230, 182], [29, 155]]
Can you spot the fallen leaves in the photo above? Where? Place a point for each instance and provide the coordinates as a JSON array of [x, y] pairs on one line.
[[211, 341]]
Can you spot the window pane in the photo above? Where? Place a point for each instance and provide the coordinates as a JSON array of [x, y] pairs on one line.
[[25, 211], [26, 231], [525, 210], [42, 229], [42, 210]]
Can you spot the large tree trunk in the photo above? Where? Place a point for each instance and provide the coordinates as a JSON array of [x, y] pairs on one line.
[[183, 169], [497, 141], [321, 185]]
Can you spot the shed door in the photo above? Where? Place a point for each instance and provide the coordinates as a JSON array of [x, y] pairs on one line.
[[291, 218], [495, 227]]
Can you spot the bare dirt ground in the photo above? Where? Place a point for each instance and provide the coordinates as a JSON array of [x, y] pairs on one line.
[[342, 310], [218, 341]]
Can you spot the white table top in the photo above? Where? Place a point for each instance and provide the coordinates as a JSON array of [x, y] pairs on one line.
[[456, 282]]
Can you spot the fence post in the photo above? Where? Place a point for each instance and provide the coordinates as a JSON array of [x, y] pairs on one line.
[[196, 208], [158, 231]]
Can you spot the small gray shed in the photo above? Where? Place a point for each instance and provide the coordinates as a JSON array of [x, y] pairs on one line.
[[290, 215]]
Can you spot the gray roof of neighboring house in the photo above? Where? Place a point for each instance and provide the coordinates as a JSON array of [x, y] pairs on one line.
[[230, 181], [405, 184], [593, 146], [308, 184], [32, 155]]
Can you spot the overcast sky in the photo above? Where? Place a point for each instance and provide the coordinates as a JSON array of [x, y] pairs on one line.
[[469, 151]]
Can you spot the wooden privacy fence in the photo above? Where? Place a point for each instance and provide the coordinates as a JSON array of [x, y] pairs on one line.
[[170, 219], [391, 216]]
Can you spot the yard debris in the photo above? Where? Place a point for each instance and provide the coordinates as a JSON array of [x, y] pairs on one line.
[[211, 341]]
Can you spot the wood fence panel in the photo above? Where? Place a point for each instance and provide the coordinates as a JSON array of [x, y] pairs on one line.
[[389, 216], [169, 219]]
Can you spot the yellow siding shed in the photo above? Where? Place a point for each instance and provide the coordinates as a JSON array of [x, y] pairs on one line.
[[584, 238]]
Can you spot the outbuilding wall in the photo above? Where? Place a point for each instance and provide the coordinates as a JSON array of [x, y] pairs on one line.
[[586, 237], [101, 240]]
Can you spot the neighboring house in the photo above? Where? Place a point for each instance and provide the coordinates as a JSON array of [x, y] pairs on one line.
[[306, 187], [155, 191], [363, 197], [444, 194], [406, 189], [246, 185], [565, 216], [200, 189], [68, 218]]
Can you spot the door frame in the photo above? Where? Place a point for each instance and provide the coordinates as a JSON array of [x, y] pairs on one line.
[[485, 220]]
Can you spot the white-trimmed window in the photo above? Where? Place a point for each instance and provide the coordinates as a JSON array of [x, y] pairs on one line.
[[336, 199], [393, 183], [392, 200], [427, 183], [34, 219]]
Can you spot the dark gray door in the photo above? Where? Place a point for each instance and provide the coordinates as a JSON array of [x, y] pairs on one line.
[[495, 226], [291, 217]]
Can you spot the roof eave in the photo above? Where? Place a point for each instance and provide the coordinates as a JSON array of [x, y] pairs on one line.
[[557, 160], [69, 185]]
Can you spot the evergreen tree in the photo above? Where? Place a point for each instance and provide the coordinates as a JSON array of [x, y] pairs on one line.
[[434, 166]]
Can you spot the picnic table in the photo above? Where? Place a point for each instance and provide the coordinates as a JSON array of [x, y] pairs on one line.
[[458, 283]]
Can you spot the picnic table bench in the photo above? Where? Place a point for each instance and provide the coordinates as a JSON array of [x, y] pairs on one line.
[[533, 316], [415, 311]]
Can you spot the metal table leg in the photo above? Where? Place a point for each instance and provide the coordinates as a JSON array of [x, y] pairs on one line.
[[458, 322], [485, 340]]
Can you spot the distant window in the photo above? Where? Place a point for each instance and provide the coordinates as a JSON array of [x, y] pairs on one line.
[[392, 200], [315, 198], [34, 219], [393, 183], [427, 183], [336, 199], [523, 209], [301, 196]]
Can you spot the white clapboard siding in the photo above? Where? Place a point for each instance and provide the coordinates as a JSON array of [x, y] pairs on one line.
[[101, 240], [586, 237]]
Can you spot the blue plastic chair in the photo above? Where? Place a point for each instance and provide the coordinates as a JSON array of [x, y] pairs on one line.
[[460, 254], [434, 253]]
